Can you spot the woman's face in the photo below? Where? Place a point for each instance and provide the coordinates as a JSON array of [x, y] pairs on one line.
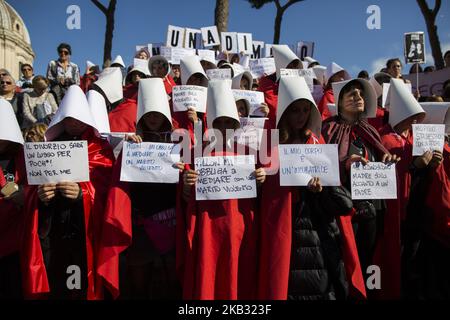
[[337, 77], [294, 65], [176, 70], [64, 54], [40, 87], [159, 70], [245, 84], [74, 127], [352, 102], [7, 85], [27, 72], [408, 122], [298, 114], [136, 76], [395, 69], [142, 55], [153, 121], [242, 108]]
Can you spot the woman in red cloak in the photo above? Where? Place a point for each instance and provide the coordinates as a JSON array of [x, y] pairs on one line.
[[217, 239], [63, 220]]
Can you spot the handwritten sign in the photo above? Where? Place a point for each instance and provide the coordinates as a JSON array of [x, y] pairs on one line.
[[53, 162], [251, 132], [189, 96], [174, 55], [299, 163], [262, 67], [219, 74], [150, 162], [207, 55], [308, 74], [255, 98], [428, 137], [375, 180], [225, 177]]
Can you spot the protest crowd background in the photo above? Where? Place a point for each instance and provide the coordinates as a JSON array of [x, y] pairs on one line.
[[104, 194]]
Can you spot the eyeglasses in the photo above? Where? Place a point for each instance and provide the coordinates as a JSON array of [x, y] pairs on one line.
[[6, 82], [26, 69], [64, 52]]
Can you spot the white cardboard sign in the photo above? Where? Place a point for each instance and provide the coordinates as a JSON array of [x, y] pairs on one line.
[[225, 177], [229, 42], [251, 132], [184, 97], [150, 162], [219, 74], [299, 163], [255, 98], [376, 180], [175, 37], [53, 162], [262, 67], [210, 36], [428, 137], [245, 43], [258, 47], [308, 74]]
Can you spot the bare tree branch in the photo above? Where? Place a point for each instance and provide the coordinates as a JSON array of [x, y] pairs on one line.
[[437, 6], [99, 5], [290, 3]]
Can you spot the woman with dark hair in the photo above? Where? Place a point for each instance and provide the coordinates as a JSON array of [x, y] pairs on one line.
[[62, 73], [358, 141], [394, 68], [160, 67], [415, 68]]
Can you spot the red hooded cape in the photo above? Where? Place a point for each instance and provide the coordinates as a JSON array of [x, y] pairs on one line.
[[217, 247], [11, 217], [328, 97], [276, 241], [116, 231], [269, 87], [123, 117], [34, 276], [438, 200]]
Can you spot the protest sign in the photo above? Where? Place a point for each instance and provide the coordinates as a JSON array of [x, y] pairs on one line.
[[430, 83], [262, 67], [219, 74], [192, 39], [415, 47], [150, 162], [174, 55], [428, 137], [251, 132], [376, 180], [305, 49], [245, 43], [184, 97], [53, 162], [175, 36], [225, 177], [210, 36], [255, 98], [299, 163], [229, 42], [308, 74], [258, 47]]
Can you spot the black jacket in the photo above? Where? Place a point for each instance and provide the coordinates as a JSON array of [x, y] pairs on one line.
[[317, 271]]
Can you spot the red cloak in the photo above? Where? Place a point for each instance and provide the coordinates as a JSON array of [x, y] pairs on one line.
[[123, 117], [269, 86], [11, 217], [34, 276], [328, 97], [380, 120], [276, 240], [438, 200], [217, 247], [116, 231]]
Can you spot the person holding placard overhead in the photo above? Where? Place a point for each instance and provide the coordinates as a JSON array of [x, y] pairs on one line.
[[358, 141], [140, 217], [284, 59], [334, 73], [12, 179], [63, 220], [217, 239], [292, 259], [192, 74], [159, 67]]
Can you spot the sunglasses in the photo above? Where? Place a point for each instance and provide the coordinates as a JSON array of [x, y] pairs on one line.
[[6, 82], [64, 52], [26, 69]]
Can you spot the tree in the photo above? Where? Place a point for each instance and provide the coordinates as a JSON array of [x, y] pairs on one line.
[[109, 14], [221, 15], [430, 20], [257, 4]]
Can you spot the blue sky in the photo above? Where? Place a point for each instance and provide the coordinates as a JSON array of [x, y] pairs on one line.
[[338, 27]]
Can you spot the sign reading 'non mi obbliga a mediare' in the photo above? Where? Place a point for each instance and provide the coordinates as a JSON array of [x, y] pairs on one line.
[[225, 177]]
